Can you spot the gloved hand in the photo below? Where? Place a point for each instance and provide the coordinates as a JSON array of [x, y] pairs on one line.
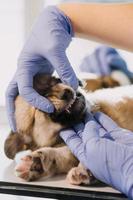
[[103, 61], [105, 149], [44, 52]]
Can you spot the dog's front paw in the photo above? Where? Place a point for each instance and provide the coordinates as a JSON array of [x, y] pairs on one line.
[[78, 176], [36, 165]]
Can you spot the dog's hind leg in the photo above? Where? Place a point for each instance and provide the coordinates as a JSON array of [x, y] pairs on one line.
[[13, 144], [46, 162]]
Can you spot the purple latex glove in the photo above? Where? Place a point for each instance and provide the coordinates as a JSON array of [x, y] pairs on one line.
[[105, 149], [103, 61], [44, 52]]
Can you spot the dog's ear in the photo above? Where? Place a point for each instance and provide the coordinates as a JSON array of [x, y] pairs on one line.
[[43, 83]]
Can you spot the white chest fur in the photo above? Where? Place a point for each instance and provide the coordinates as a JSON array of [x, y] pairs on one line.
[[111, 95]]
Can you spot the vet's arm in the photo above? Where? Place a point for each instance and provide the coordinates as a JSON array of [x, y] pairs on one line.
[[108, 23], [109, 159]]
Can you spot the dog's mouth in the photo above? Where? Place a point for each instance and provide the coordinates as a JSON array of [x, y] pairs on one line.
[[76, 105], [68, 108], [72, 113]]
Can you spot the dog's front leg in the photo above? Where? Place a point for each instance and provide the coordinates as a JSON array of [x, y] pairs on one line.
[[79, 175]]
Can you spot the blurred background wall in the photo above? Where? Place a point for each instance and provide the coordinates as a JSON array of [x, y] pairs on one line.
[[16, 19]]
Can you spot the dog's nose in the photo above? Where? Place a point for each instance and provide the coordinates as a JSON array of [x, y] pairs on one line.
[[67, 94]]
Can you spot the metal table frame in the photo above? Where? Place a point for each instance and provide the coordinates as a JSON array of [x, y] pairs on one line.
[[56, 192]]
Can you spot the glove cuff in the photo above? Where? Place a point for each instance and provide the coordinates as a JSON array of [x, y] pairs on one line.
[[68, 24]]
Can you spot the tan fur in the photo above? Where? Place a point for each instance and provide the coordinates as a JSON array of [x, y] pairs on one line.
[[35, 124], [24, 115], [101, 82], [121, 112], [45, 132]]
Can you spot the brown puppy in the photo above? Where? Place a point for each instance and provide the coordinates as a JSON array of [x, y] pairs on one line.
[[39, 131]]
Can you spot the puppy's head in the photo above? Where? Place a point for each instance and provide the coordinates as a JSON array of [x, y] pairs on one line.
[[69, 105]]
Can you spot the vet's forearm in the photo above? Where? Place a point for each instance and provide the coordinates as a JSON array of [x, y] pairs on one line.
[[106, 23]]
